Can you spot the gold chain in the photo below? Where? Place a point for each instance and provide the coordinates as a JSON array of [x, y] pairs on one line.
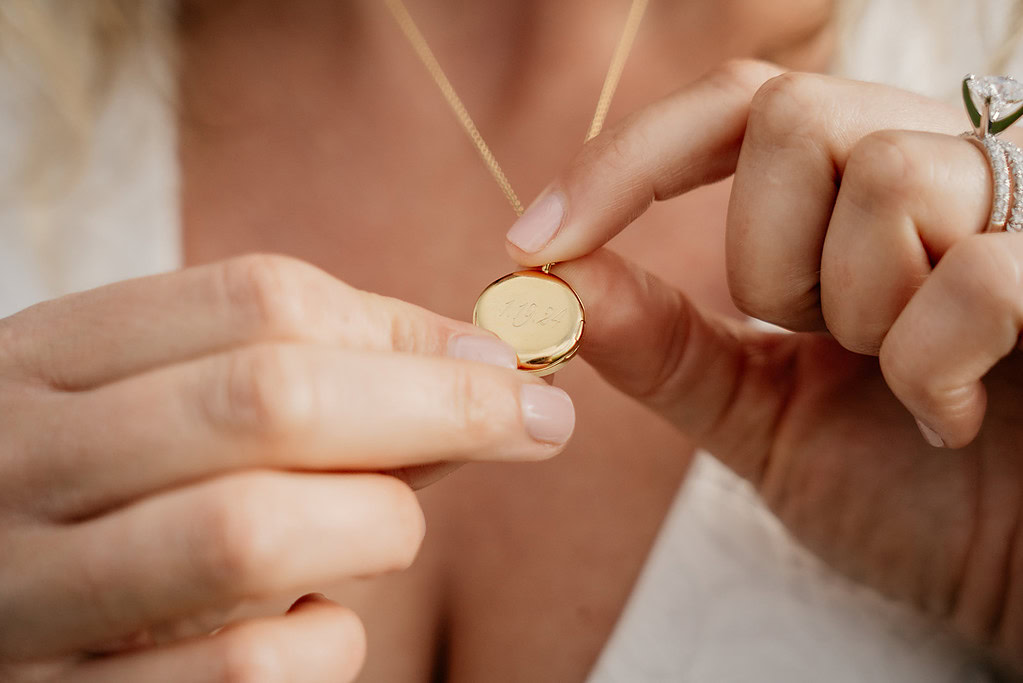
[[426, 56], [614, 71]]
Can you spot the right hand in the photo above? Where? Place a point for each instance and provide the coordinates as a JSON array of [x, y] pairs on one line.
[[175, 445], [857, 220]]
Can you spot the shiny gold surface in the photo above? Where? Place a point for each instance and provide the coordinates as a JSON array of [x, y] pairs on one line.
[[538, 314]]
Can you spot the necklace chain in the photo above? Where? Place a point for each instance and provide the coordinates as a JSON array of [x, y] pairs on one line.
[[422, 49]]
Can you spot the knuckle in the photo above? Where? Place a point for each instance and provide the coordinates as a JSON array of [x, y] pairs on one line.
[[862, 336], [275, 295], [856, 319], [247, 658], [984, 273], [252, 653], [898, 366], [265, 390], [237, 548], [471, 406], [881, 167], [613, 152], [402, 517], [784, 106], [923, 394], [407, 331], [908, 372], [619, 152]]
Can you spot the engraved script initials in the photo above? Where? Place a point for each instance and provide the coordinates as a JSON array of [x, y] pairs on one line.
[[522, 314]]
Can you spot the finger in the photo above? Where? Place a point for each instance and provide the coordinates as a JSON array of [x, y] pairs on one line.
[[905, 199], [316, 641], [289, 407], [966, 317], [212, 545], [421, 476], [689, 139], [801, 130], [194, 625], [717, 380], [105, 334]]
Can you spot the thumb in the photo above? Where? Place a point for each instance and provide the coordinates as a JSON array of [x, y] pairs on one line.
[[719, 381]]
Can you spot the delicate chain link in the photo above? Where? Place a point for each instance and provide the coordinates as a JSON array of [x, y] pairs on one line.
[[614, 71], [426, 56]]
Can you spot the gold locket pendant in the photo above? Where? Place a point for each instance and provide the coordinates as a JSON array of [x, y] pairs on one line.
[[538, 314]]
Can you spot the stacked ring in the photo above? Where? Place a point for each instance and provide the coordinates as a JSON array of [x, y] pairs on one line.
[[1015, 157], [994, 103], [998, 159]]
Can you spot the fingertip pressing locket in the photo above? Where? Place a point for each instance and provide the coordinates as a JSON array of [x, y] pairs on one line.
[[537, 313]]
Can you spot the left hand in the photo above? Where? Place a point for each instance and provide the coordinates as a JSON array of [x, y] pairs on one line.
[[856, 211]]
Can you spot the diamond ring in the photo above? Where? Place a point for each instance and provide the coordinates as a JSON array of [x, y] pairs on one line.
[[1014, 220], [1006, 162], [1001, 174], [993, 102]]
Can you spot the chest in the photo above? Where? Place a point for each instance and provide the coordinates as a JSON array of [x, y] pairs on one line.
[[392, 212], [391, 196], [378, 185]]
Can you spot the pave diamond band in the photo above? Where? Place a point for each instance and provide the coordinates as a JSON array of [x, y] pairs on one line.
[[1006, 161], [998, 159], [1015, 157]]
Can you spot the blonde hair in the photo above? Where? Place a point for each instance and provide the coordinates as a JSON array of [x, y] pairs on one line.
[[63, 55]]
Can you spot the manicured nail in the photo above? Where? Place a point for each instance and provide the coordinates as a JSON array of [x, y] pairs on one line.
[[548, 413], [489, 350], [930, 435], [306, 599], [535, 228]]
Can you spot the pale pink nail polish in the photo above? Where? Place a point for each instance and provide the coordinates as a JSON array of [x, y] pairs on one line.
[[535, 228], [930, 435], [489, 350], [547, 413]]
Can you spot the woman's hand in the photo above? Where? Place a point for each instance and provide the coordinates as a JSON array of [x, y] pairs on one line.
[[175, 445], [838, 223]]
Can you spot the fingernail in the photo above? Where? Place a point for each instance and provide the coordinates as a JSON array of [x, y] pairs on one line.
[[539, 224], [306, 599], [489, 350], [930, 435], [548, 413]]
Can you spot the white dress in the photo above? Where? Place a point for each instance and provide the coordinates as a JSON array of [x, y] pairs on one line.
[[725, 595]]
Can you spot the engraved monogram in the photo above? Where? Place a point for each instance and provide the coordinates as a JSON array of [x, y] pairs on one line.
[[525, 313]]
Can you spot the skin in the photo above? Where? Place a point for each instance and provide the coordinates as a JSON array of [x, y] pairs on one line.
[[588, 579], [523, 555], [233, 392]]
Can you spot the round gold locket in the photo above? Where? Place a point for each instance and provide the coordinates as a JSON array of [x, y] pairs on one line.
[[538, 314]]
